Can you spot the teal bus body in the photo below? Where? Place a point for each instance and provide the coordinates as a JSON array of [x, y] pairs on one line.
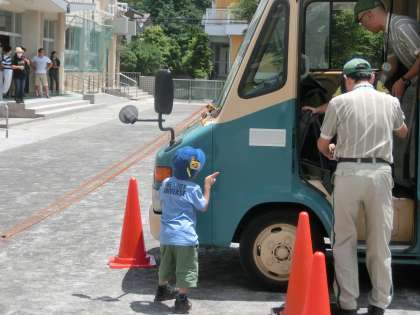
[[252, 176], [259, 176]]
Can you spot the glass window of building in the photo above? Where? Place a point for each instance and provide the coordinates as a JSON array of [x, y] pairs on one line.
[[10, 29]]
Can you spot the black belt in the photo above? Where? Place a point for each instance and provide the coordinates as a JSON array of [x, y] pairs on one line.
[[363, 160]]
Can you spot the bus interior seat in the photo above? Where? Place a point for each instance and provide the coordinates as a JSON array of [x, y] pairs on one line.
[[313, 163]]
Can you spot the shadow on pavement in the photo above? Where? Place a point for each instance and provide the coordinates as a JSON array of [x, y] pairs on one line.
[[406, 288], [150, 308], [220, 278]]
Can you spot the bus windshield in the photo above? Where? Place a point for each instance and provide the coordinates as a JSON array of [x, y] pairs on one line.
[[241, 53]]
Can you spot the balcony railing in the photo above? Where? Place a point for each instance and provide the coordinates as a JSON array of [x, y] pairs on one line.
[[222, 22], [222, 16]]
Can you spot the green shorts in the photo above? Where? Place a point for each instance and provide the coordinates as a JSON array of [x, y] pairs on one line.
[[179, 262]]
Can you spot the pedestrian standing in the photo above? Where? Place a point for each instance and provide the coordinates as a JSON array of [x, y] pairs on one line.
[[54, 72], [19, 74], [7, 73], [364, 121], [41, 65], [181, 199], [402, 41], [27, 70]]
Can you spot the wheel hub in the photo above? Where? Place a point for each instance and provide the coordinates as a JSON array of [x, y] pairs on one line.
[[273, 250], [282, 252]]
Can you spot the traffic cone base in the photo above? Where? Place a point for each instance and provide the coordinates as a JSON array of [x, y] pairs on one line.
[[121, 263], [132, 252]]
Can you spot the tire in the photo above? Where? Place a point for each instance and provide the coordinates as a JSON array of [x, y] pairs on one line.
[[266, 247]]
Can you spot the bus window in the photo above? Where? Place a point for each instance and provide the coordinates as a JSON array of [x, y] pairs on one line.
[[332, 37], [317, 35], [267, 69]]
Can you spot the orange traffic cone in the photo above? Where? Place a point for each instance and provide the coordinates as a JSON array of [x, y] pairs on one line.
[[317, 300], [132, 253], [300, 269]]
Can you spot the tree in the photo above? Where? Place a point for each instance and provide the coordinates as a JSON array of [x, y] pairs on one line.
[[179, 22], [349, 40], [152, 51], [245, 9], [197, 61]]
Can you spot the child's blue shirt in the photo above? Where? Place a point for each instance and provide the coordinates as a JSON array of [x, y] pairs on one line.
[[180, 199]]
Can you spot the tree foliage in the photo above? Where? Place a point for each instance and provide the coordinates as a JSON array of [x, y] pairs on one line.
[[197, 61], [151, 51], [245, 9], [349, 40], [179, 23]]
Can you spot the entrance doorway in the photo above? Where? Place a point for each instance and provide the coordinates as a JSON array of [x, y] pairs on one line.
[[4, 40]]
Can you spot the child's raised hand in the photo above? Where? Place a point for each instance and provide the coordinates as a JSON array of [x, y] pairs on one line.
[[211, 179]]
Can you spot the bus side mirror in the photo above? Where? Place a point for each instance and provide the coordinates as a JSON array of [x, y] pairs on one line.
[[129, 114], [164, 92], [164, 102]]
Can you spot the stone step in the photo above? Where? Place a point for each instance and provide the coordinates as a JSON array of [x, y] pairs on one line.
[[52, 106], [34, 102], [70, 110]]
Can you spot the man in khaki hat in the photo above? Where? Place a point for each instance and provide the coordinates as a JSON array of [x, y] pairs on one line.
[[364, 121], [402, 38]]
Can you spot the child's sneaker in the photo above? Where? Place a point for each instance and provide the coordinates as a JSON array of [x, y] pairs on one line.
[[182, 304], [165, 292]]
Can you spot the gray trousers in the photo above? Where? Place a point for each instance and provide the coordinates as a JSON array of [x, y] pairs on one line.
[[365, 185], [405, 149]]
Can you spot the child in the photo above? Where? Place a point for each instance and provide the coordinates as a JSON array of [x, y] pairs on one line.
[[180, 199]]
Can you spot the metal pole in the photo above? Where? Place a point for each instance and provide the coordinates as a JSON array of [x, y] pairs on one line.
[[189, 91], [6, 107]]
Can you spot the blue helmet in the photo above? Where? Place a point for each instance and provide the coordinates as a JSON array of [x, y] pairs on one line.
[[188, 162]]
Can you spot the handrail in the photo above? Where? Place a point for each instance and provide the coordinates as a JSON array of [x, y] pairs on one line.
[[128, 78], [127, 83], [7, 117]]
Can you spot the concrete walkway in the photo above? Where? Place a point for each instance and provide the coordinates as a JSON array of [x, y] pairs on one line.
[[59, 266]]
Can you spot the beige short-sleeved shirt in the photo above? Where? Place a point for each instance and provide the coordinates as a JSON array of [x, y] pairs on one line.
[[363, 120]]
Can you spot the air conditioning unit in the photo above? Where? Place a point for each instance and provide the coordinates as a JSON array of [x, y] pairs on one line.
[[120, 25], [132, 28]]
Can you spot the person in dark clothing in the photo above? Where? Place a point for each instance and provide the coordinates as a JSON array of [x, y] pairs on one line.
[[19, 74], [27, 70], [54, 72]]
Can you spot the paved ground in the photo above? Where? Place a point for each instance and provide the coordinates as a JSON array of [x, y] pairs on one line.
[[59, 266]]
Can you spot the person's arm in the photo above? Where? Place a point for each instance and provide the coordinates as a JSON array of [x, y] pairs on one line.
[[326, 147], [208, 184], [400, 128], [328, 131], [411, 37], [402, 132], [17, 67], [399, 86], [316, 110]]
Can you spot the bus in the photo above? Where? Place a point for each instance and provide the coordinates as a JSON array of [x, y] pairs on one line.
[[264, 145]]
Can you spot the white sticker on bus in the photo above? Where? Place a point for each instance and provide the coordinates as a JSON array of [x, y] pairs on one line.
[[267, 137]]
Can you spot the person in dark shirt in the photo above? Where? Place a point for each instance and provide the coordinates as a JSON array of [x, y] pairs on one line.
[[27, 70], [19, 73], [54, 72]]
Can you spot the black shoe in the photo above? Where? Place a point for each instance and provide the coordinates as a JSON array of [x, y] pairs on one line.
[[344, 312], [165, 292], [182, 304], [374, 310]]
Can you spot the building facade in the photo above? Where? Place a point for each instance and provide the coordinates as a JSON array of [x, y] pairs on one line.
[[85, 33], [226, 33]]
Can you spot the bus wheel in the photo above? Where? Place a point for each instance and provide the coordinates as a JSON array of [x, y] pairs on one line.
[[266, 248]]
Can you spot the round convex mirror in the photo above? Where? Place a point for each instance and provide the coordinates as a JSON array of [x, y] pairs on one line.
[[129, 114]]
